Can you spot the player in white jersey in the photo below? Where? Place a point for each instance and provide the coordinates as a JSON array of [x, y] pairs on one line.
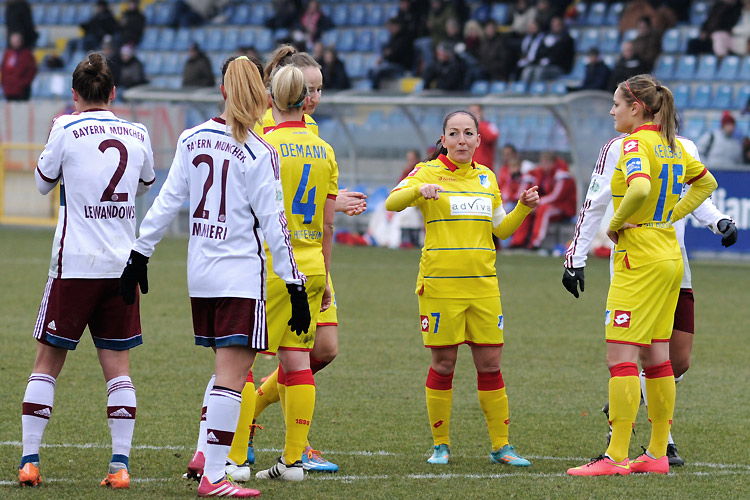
[[598, 198], [101, 163], [231, 177]]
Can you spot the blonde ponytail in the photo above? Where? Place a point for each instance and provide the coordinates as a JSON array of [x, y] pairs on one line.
[[246, 97]]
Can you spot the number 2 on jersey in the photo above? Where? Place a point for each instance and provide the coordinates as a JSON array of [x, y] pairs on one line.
[[676, 189], [305, 208]]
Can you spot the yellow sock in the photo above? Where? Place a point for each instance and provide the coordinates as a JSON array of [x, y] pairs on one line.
[[439, 396], [494, 403], [238, 451], [300, 404], [661, 395], [267, 394], [624, 398]]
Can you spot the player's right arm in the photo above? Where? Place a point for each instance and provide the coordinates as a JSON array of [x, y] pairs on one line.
[[49, 167], [410, 190]]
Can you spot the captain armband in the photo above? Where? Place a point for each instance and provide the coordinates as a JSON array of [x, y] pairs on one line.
[[498, 215]]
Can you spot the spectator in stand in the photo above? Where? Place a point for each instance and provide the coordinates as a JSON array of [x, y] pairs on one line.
[[544, 13], [496, 59], [132, 23], [530, 46], [197, 12], [197, 71], [438, 13], [334, 72], [557, 200], [473, 38], [18, 69], [509, 181], [286, 14], [554, 57], [627, 65], [131, 71], [250, 52], [101, 24], [412, 19], [314, 22], [397, 55], [715, 31], [647, 44], [741, 31], [447, 72], [720, 147], [634, 11], [523, 13], [488, 134], [18, 19], [597, 73]]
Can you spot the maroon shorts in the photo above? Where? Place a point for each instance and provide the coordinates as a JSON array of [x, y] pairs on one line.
[[684, 315], [228, 321], [69, 305]]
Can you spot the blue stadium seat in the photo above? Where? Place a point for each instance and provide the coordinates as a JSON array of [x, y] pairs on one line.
[[517, 88], [391, 11], [579, 69], [694, 127], [685, 67], [665, 67], [375, 15], [480, 87], [181, 40], [340, 15], [498, 88], [610, 40], [630, 35], [701, 98], [330, 37], [264, 40], [597, 14], [744, 74], [365, 41], [231, 40], [538, 88], [153, 63], [499, 13], [164, 13], [589, 39], [247, 37], [347, 38], [381, 38], [698, 13], [613, 14], [575, 34], [214, 39], [173, 63], [729, 68], [681, 94], [743, 127], [671, 40], [357, 14], [68, 14], [259, 12], [38, 12], [241, 14], [355, 65], [557, 88], [42, 41], [707, 67], [722, 97], [84, 12], [741, 97], [364, 84], [199, 36], [53, 14]]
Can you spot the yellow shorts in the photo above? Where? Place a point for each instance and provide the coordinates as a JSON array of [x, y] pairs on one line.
[[329, 316], [641, 303], [279, 310], [449, 322]]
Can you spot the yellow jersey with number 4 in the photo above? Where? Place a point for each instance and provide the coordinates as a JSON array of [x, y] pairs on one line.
[[267, 123], [644, 154], [458, 257], [309, 175]]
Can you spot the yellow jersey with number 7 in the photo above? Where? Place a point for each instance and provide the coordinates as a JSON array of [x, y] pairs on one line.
[[645, 154], [309, 175]]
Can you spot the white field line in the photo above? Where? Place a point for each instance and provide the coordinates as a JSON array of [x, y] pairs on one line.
[[741, 467]]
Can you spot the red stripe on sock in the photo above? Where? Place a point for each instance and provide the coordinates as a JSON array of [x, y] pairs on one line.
[[203, 413], [301, 377], [660, 370], [490, 381], [249, 377], [624, 370], [439, 382], [316, 364], [281, 377]]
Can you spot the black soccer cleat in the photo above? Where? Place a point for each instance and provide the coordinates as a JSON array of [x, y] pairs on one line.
[[674, 459]]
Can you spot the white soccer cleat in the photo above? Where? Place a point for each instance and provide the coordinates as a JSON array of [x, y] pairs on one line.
[[279, 470], [238, 473]]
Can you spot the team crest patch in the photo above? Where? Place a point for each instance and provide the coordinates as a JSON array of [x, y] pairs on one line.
[[402, 183], [607, 317], [484, 180], [500, 322], [425, 322], [633, 165], [622, 319], [630, 146]]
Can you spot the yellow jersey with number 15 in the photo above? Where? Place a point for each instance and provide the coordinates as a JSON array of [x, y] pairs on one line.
[[644, 154], [267, 123], [309, 176], [458, 257]]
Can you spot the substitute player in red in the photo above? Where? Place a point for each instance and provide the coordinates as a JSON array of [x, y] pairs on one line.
[[459, 300], [231, 178], [648, 269], [102, 163]]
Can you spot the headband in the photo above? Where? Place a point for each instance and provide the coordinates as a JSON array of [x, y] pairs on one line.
[[639, 101]]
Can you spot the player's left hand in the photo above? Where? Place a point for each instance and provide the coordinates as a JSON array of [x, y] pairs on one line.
[[612, 235], [300, 320], [572, 277], [729, 231], [327, 298], [530, 197], [134, 274], [351, 202]]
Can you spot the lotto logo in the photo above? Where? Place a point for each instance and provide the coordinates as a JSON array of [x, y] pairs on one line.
[[622, 319], [630, 146], [425, 322]]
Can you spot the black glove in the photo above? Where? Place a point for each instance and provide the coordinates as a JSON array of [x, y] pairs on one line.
[[572, 277], [300, 320], [135, 273], [729, 230]]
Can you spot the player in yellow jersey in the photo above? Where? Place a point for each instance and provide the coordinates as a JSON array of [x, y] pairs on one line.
[[459, 300], [643, 293], [309, 179]]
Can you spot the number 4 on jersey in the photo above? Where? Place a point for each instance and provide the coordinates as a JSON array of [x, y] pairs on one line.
[[305, 208]]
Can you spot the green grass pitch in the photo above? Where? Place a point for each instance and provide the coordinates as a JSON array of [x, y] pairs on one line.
[[370, 415]]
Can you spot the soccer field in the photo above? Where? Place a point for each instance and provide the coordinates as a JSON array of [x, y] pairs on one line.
[[370, 415]]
